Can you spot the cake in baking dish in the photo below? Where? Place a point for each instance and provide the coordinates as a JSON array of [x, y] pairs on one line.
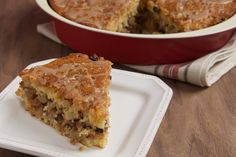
[[146, 16], [113, 15], [170, 16], [71, 95]]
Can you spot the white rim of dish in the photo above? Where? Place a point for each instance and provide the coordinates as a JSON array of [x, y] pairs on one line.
[[221, 27]]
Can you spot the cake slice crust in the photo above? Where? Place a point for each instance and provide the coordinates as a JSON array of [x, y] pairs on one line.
[[71, 95]]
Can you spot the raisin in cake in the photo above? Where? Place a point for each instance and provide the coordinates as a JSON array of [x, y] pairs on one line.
[[71, 95]]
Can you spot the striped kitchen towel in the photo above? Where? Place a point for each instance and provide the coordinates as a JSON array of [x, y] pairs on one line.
[[203, 71]]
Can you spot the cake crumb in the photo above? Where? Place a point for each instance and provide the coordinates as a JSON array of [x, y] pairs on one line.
[[82, 148]]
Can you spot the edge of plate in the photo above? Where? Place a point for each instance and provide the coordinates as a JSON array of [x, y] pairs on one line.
[[158, 116], [156, 120]]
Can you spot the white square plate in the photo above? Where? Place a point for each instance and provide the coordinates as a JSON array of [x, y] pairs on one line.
[[139, 103]]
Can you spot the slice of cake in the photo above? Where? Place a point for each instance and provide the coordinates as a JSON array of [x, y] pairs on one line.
[[71, 95], [184, 15], [113, 15]]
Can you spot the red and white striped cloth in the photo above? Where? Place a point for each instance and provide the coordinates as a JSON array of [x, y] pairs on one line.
[[204, 71]]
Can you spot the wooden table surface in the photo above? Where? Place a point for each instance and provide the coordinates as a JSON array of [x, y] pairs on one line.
[[198, 122]]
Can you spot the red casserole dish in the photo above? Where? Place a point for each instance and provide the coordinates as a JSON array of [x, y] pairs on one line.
[[141, 48]]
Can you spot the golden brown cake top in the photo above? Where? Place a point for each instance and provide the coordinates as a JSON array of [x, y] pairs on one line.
[[197, 14], [94, 13], [75, 77]]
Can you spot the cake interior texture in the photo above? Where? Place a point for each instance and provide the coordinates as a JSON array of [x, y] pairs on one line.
[[71, 95], [146, 16]]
